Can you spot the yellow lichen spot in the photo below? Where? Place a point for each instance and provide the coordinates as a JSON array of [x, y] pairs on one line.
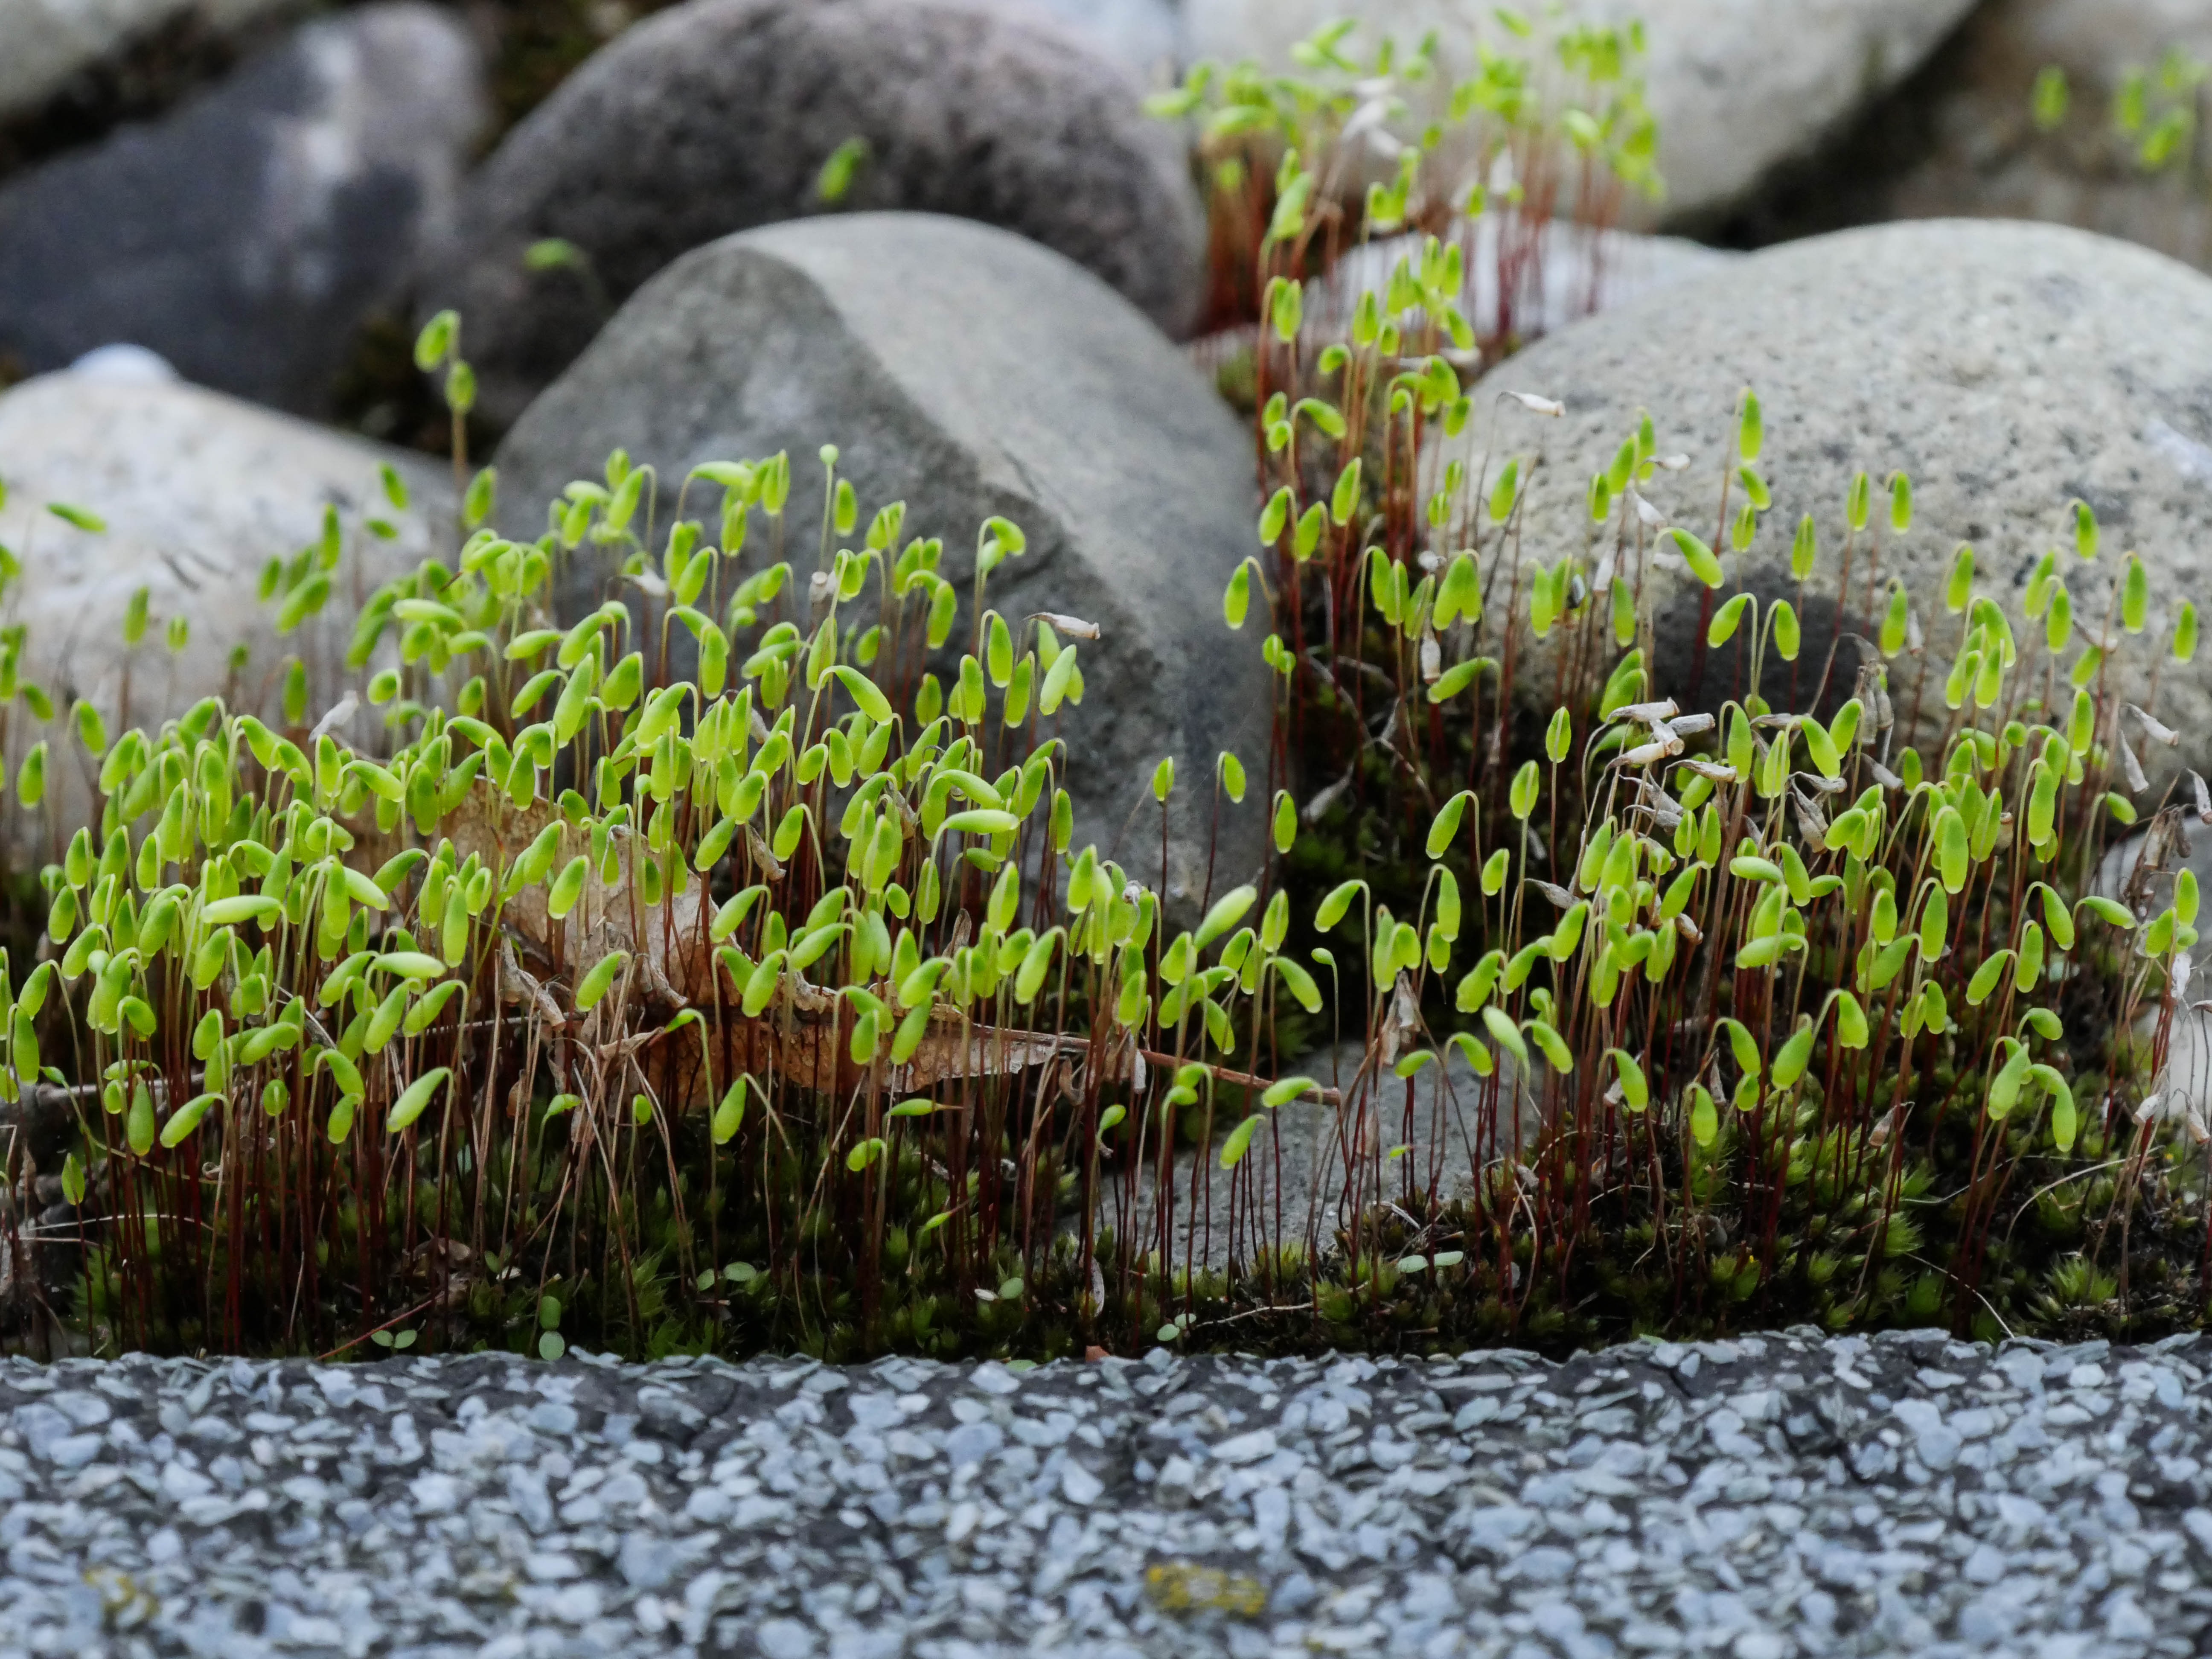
[[1186, 1587], [125, 1603]]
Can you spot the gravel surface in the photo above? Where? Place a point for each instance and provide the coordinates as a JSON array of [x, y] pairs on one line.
[[1757, 1498]]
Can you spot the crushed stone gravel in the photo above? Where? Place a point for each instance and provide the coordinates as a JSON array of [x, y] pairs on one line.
[[1774, 1496]]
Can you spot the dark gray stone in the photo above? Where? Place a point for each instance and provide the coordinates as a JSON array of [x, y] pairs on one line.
[[718, 116], [966, 372], [245, 235], [2007, 368]]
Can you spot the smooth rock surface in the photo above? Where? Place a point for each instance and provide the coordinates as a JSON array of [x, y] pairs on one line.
[[1986, 157], [2134, 872], [967, 372], [1522, 282], [718, 116], [246, 235], [1144, 36], [198, 492], [1738, 87], [2006, 369], [1385, 1138], [1527, 280], [1767, 1497], [49, 42]]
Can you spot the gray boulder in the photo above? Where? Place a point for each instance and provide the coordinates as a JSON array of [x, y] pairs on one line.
[[198, 492], [244, 235], [1142, 35], [719, 115], [1577, 270], [1739, 87], [2007, 368], [967, 372], [1984, 156], [49, 45]]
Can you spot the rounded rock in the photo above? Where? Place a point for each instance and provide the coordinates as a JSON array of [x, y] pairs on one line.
[[1738, 87], [2007, 370], [719, 115], [967, 372], [1983, 153], [194, 493], [50, 48], [1141, 33], [245, 235]]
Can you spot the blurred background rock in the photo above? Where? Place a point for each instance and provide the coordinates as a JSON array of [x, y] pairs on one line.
[[254, 188]]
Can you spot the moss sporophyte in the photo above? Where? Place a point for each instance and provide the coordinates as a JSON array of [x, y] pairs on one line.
[[710, 967]]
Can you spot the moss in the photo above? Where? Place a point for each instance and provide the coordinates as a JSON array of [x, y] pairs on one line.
[[1741, 1115]]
